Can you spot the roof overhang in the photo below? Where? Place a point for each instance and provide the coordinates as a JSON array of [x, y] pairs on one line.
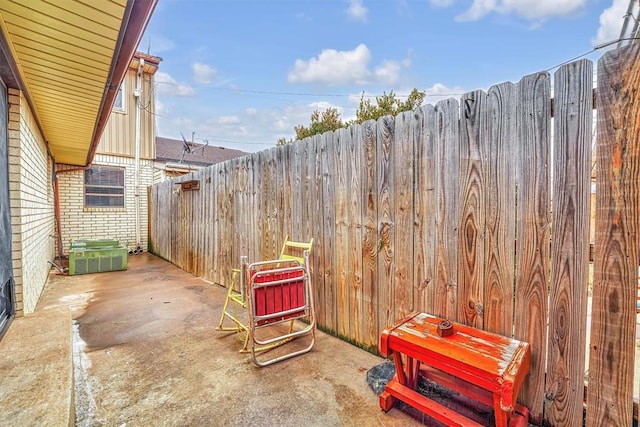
[[69, 58]]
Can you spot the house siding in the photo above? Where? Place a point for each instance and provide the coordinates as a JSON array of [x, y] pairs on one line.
[[80, 222], [120, 132], [32, 204], [116, 149]]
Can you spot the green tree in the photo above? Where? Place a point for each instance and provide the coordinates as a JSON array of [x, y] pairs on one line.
[[386, 105], [320, 123], [284, 141]]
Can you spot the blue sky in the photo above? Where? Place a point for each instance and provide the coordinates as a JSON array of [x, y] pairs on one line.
[[243, 73]]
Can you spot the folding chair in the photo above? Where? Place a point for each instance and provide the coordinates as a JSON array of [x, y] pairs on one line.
[[279, 292], [236, 300]]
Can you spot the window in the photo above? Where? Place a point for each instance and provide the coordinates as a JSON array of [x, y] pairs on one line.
[[118, 103], [104, 187]]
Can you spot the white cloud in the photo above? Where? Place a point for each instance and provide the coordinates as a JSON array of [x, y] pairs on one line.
[[228, 120], [388, 72], [531, 10], [611, 21], [350, 67], [167, 85], [250, 111], [333, 67], [203, 73], [357, 11]]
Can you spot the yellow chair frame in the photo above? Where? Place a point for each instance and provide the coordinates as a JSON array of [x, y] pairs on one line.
[[236, 301]]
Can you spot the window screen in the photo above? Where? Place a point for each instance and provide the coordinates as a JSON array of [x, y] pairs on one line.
[[104, 187], [118, 103]]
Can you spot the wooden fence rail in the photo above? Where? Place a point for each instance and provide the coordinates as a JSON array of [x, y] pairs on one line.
[[456, 210]]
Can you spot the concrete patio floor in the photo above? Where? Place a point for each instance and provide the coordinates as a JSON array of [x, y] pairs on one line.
[[146, 352]]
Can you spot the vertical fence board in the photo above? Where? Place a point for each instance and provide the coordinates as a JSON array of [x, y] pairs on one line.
[[425, 203], [215, 244], [354, 151], [227, 235], [573, 114], [473, 158], [209, 202], [370, 281], [533, 229], [305, 190], [317, 208], [384, 168], [271, 205], [611, 360], [341, 200], [403, 190], [447, 166], [297, 182], [329, 245], [283, 196], [202, 199], [501, 208]]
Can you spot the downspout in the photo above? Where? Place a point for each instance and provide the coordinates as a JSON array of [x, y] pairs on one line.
[[136, 93]]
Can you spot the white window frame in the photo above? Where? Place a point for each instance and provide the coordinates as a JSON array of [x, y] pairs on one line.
[[121, 95]]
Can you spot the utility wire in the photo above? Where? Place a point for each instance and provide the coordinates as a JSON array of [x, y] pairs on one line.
[[595, 48]]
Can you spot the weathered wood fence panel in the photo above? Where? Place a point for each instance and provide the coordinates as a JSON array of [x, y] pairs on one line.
[[533, 224], [448, 209], [370, 331], [384, 155], [611, 359], [402, 189], [447, 203], [473, 159], [569, 254], [500, 209]]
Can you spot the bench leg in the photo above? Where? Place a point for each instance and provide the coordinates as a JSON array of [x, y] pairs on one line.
[[501, 416], [386, 401]]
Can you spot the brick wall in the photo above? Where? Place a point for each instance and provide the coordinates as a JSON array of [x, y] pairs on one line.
[[80, 222], [32, 206]]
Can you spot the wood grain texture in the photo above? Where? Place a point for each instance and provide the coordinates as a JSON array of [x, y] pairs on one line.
[[283, 197], [425, 209], [354, 153], [210, 203], [253, 214], [403, 191], [273, 206], [217, 221], [573, 115], [616, 259], [369, 317], [447, 167], [501, 207], [317, 223], [471, 239], [226, 231], [328, 220], [533, 230], [302, 154], [386, 208], [341, 201], [296, 195]]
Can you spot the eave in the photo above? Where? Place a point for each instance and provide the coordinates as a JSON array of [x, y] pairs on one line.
[[69, 58]]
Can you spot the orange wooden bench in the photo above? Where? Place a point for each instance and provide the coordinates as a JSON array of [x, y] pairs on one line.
[[486, 367]]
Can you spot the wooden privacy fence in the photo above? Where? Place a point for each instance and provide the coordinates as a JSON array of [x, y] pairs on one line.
[[456, 210]]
